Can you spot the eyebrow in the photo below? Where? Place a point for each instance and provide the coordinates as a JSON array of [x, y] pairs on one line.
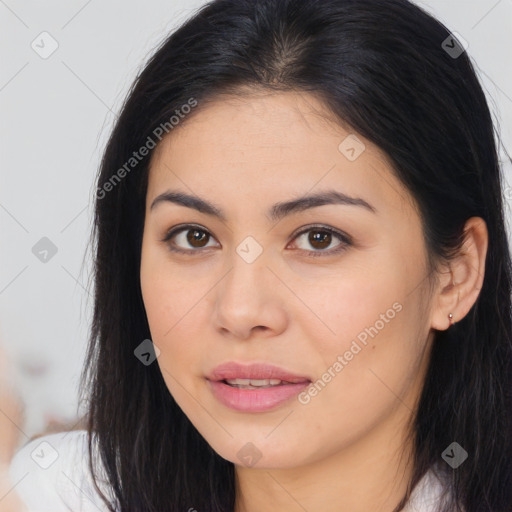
[[275, 212]]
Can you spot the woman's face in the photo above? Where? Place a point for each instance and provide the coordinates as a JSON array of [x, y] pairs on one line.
[[339, 321]]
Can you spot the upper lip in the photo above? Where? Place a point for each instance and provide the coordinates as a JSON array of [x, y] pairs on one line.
[[256, 371]]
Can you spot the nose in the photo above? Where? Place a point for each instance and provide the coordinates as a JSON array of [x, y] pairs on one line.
[[250, 299]]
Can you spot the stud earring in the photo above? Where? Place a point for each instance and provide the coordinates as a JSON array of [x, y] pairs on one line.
[[450, 317]]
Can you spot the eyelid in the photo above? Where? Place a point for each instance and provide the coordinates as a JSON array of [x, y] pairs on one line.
[[345, 239]]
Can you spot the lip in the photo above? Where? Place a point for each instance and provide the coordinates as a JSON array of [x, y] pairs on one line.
[[254, 400]]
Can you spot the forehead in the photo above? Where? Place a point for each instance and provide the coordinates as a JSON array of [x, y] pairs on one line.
[[269, 146]]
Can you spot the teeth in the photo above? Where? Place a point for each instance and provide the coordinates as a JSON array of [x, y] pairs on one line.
[[253, 383]]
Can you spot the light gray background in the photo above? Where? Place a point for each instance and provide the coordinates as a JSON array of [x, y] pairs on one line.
[[56, 114]]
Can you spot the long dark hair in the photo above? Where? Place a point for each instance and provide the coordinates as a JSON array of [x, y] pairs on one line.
[[385, 70]]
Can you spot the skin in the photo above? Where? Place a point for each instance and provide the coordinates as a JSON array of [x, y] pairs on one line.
[[11, 415], [347, 448]]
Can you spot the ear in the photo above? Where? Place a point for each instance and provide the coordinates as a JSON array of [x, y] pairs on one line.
[[460, 285]]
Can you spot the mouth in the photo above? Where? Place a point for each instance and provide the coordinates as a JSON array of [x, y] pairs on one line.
[[255, 374], [257, 383], [255, 387]]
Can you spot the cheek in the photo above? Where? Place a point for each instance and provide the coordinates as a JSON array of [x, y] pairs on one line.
[[171, 321], [173, 303], [172, 332], [167, 298], [365, 328], [360, 304]]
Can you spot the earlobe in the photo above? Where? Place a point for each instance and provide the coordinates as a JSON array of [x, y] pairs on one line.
[[465, 277]]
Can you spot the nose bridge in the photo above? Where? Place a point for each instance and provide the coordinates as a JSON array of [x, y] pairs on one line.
[[244, 298], [248, 267]]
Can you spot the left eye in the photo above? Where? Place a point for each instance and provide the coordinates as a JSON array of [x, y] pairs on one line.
[[319, 237]]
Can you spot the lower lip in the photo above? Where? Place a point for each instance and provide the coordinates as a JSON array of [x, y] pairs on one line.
[[255, 400]]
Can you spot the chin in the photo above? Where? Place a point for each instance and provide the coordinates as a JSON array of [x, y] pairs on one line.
[[262, 453]]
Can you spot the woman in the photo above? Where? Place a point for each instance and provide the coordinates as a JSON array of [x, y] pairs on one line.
[[303, 292]]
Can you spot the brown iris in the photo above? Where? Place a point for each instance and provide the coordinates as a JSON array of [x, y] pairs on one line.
[[323, 238], [197, 236]]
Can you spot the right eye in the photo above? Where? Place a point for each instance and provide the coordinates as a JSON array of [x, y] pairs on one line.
[[191, 234]]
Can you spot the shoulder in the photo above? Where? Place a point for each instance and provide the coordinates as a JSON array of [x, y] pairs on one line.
[[430, 492], [51, 474]]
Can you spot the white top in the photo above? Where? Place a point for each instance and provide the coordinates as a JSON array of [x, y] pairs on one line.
[[51, 474]]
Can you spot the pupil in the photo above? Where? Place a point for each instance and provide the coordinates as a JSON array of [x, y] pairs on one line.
[[196, 236], [320, 237]]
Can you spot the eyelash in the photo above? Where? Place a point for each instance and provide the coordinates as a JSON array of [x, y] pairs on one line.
[[345, 240]]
